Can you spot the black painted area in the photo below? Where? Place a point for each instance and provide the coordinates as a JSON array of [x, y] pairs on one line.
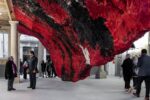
[[93, 31]]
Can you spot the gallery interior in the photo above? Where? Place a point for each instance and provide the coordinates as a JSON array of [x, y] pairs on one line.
[[87, 41]]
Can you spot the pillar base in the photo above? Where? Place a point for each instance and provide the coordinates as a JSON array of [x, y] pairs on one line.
[[103, 75]]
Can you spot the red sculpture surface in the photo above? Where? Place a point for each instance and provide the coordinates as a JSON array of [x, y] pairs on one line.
[[80, 34]]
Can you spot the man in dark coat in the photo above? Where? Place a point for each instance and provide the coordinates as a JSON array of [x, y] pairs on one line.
[[10, 73], [144, 73], [33, 69], [127, 71]]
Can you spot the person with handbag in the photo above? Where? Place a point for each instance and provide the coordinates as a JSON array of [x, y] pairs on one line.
[[33, 69], [25, 67], [10, 72]]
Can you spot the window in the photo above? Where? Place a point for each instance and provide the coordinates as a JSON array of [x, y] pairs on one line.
[[3, 45]]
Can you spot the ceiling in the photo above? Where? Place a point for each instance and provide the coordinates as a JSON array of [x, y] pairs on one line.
[[4, 18]]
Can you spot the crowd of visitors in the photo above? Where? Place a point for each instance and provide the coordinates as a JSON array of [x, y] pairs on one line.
[[136, 68], [28, 67], [48, 69], [139, 70]]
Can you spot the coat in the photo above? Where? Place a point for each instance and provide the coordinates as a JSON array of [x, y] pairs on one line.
[[144, 65], [33, 64], [9, 70], [127, 67]]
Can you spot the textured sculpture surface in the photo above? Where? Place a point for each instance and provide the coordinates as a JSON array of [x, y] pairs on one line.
[[82, 33]]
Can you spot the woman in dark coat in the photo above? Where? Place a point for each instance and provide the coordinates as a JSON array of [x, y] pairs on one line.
[[10, 73], [25, 67], [127, 71]]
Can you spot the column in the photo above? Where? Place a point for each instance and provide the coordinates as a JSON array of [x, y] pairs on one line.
[[14, 41], [118, 62], [45, 54], [102, 72], [14, 47], [21, 52], [9, 43], [18, 52], [40, 56], [106, 68]]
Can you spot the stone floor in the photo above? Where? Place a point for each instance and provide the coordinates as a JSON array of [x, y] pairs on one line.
[[55, 89]]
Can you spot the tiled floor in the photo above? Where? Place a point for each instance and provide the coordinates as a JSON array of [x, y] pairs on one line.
[[55, 89]]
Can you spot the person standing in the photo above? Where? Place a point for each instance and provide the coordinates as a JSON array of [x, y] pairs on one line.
[[10, 72], [127, 71], [49, 68], [25, 67], [32, 69], [53, 74], [135, 72], [21, 67], [143, 74], [43, 67]]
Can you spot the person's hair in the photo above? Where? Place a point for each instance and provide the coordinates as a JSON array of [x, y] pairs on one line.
[[144, 51], [10, 58], [127, 55], [32, 52]]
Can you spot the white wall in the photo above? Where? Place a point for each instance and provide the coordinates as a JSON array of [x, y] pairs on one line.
[[27, 38], [140, 44]]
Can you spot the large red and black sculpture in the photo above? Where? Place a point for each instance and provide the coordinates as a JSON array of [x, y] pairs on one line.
[[82, 33]]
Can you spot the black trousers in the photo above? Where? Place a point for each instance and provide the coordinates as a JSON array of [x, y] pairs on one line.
[[43, 73], [135, 81], [49, 73], [53, 73], [25, 73], [127, 80], [33, 80], [147, 84], [10, 83]]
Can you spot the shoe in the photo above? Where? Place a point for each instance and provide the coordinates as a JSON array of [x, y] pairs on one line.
[[29, 87], [9, 89], [33, 88], [146, 98], [13, 89], [129, 90], [135, 94]]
